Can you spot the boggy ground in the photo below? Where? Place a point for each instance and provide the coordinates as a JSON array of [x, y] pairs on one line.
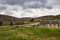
[[32, 33]]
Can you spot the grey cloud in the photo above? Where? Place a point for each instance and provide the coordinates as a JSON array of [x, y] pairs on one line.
[[33, 4], [49, 7], [57, 2], [2, 7], [26, 4], [53, 3], [9, 12], [26, 12], [13, 2], [29, 4], [22, 2]]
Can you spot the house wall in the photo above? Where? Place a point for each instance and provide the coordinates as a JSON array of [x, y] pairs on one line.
[[56, 25], [50, 25]]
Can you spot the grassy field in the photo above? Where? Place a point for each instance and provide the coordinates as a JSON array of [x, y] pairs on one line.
[[12, 33]]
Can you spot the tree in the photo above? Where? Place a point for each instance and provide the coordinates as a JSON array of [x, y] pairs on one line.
[[11, 23], [32, 20], [17, 23], [0, 23]]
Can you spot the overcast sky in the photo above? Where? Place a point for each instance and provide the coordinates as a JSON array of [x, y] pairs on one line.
[[29, 8]]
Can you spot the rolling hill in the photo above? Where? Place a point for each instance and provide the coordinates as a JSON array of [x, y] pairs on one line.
[[6, 18], [50, 17]]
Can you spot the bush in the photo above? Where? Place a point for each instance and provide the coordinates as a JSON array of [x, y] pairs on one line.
[[0, 23], [11, 23]]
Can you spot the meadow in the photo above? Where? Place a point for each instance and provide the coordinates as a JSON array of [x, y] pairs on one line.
[[32, 33]]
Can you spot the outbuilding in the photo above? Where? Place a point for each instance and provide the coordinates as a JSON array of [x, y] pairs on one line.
[[54, 23]]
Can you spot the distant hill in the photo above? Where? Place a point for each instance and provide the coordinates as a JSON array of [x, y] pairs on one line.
[[6, 18], [50, 17]]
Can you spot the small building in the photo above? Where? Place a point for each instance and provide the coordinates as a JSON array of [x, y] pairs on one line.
[[55, 23]]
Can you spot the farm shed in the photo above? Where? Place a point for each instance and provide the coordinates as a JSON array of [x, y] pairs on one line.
[[54, 23]]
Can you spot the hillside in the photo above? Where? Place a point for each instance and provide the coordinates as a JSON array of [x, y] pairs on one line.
[[50, 17], [6, 18]]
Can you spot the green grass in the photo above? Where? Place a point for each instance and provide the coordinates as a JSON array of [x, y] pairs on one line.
[[12, 33]]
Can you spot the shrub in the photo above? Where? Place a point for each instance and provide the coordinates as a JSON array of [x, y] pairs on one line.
[[0, 23]]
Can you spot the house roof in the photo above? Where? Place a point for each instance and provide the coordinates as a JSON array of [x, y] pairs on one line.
[[50, 22]]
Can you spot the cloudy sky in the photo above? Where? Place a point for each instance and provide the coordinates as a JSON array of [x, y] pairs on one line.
[[29, 8]]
